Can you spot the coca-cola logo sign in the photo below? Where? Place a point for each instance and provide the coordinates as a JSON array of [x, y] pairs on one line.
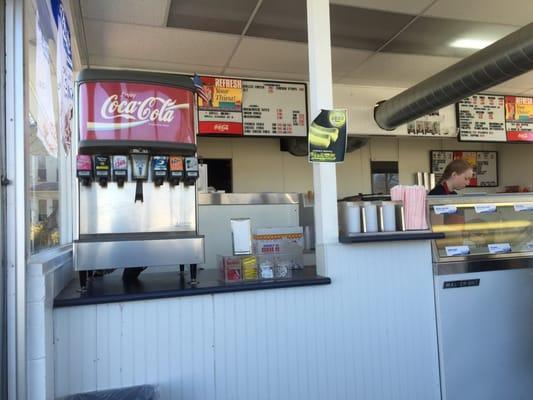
[[135, 111], [139, 112], [221, 127]]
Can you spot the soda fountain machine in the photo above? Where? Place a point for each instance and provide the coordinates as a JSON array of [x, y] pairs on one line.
[[136, 173]]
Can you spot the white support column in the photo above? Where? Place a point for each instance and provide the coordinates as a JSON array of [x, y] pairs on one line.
[[16, 217], [321, 91]]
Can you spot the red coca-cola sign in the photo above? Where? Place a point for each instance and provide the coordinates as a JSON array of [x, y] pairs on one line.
[[519, 136], [127, 111]]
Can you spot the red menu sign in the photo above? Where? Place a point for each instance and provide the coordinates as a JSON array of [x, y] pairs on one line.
[[126, 111], [220, 111], [519, 118]]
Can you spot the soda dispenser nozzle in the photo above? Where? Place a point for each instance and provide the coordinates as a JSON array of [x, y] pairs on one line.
[[120, 170], [102, 169], [139, 161], [159, 169], [176, 170], [191, 171], [84, 169]]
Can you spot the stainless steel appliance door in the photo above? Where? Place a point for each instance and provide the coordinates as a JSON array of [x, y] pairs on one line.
[[485, 329], [138, 253], [114, 210]]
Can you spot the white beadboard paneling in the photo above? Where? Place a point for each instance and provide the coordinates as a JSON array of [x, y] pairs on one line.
[[167, 342], [37, 380], [369, 335], [35, 287], [35, 340]]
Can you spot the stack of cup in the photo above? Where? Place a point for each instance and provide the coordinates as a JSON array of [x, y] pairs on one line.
[[370, 217], [349, 217], [388, 216]]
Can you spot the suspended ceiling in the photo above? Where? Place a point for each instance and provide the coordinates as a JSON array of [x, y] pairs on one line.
[[375, 42]]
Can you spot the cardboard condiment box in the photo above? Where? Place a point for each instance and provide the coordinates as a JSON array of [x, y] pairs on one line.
[[278, 240], [249, 268], [230, 268]]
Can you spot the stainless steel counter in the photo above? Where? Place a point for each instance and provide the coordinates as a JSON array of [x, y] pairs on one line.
[[210, 199]]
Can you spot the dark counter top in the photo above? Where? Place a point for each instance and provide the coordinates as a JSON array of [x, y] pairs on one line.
[[153, 285], [390, 236]]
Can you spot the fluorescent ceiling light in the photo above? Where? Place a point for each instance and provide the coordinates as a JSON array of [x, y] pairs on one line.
[[471, 43]]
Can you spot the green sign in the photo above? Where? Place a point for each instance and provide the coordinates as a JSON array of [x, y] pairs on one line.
[[327, 136]]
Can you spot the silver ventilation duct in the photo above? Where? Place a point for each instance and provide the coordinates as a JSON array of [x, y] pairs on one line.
[[499, 62]]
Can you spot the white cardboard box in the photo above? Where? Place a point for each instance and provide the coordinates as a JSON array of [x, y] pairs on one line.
[[278, 240]]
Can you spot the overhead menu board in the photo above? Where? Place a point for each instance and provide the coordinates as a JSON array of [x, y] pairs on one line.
[[220, 106], [519, 118], [482, 118], [274, 109], [252, 108], [484, 163], [440, 123]]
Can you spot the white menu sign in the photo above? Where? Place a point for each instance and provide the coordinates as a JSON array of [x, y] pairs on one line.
[[436, 124], [485, 164], [482, 118], [274, 109]]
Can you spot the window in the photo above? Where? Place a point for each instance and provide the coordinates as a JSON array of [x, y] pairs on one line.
[[42, 211], [219, 174], [384, 176], [41, 169], [46, 150]]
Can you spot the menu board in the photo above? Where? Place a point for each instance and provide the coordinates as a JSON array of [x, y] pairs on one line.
[[519, 118], [484, 163], [482, 118], [220, 106], [235, 107], [440, 123], [274, 109]]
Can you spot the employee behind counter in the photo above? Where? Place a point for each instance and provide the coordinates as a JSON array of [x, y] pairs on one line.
[[456, 176]]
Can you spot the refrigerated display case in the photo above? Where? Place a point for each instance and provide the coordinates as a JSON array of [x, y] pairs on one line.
[[483, 275]]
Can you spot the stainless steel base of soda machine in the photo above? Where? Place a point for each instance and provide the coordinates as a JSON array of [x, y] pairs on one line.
[[107, 251]]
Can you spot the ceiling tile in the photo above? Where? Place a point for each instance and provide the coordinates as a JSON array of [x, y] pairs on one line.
[[152, 65], [516, 85], [528, 92], [399, 70], [227, 16], [432, 36], [271, 55], [140, 12], [360, 28], [158, 44], [346, 60], [403, 6], [280, 19], [263, 74], [510, 12]]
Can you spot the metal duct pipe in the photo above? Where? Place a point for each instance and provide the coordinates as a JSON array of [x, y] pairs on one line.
[[501, 61]]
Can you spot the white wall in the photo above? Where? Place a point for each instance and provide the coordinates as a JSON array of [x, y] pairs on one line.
[[370, 334], [259, 165]]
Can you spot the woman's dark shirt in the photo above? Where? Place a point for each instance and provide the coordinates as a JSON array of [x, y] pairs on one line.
[[440, 190]]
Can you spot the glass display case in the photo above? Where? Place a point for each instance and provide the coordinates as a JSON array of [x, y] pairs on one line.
[[484, 294], [480, 227]]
